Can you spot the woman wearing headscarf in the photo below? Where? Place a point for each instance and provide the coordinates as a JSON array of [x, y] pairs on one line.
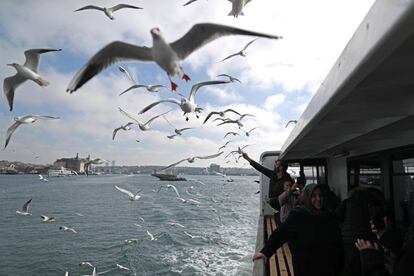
[[313, 235]]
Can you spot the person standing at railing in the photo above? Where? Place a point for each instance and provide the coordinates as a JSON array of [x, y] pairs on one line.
[[313, 235]]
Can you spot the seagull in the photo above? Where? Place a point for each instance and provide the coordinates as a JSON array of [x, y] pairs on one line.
[[171, 136], [25, 209], [170, 186], [193, 201], [126, 73], [242, 52], [131, 196], [192, 159], [124, 127], [189, 2], [228, 179], [122, 267], [193, 236], [28, 119], [129, 241], [47, 219], [187, 105], [167, 55], [109, 11], [291, 121], [96, 161], [237, 7], [65, 228], [231, 79], [248, 132], [223, 146], [27, 71], [41, 178], [221, 113], [142, 126], [176, 224], [176, 130], [238, 121], [150, 88], [85, 264], [232, 133], [151, 236]]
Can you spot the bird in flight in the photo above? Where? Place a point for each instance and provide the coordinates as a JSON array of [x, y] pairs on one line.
[[231, 79], [25, 209], [167, 55], [250, 131], [230, 132], [242, 52], [220, 113], [142, 126], [187, 105], [27, 71], [109, 12], [126, 73], [237, 7], [150, 88], [130, 195], [192, 159], [28, 119], [291, 121], [125, 127]]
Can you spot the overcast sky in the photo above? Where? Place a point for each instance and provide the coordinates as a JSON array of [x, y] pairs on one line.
[[279, 77]]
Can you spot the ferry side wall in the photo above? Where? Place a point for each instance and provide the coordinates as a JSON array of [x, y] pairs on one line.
[[337, 176]]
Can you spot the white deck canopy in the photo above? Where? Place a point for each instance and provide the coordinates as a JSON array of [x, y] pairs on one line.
[[366, 102]]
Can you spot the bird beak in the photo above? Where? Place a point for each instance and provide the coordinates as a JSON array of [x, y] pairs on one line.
[[9, 64]]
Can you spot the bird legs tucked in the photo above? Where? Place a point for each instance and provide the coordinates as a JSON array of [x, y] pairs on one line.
[[173, 84], [185, 76]]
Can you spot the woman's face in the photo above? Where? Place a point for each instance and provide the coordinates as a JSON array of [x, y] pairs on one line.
[[317, 199], [287, 185]]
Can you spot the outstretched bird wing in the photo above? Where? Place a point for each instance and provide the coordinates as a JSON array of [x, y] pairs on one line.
[[33, 57], [9, 85], [197, 86], [133, 87], [209, 115], [124, 191], [113, 52], [203, 33], [25, 207], [153, 118], [231, 110], [248, 44], [123, 6], [90, 7], [10, 131], [189, 2], [129, 116], [169, 100], [230, 56], [174, 164], [209, 156]]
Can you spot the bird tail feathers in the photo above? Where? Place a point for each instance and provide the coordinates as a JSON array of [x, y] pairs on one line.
[[42, 82]]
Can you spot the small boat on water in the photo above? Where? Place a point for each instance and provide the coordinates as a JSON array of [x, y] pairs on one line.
[[59, 172], [168, 177]]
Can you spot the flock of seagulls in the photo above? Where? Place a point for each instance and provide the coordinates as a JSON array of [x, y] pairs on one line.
[[169, 56]]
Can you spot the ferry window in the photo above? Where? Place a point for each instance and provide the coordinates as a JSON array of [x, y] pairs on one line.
[[403, 176], [321, 175], [310, 174], [365, 172], [405, 166]]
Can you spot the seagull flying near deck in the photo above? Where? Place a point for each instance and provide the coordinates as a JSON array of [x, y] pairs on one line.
[[232, 133], [130, 195], [109, 11], [96, 161], [65, 228], [187, 105], [27, 71], [170, 186], [221, 113], [47, 219], [150, 88], [231, 79], [167, 55], [85, 264], [143, 126], [28, 119], [176, 130], [291, 121], [192, 159], [25, 209], [124, 127], [41, 178], [238, 121], [242, 52], [237, 7], [176, 224], [122, 267], [223, 146], [152, 238], [248, 132], [126, 73]]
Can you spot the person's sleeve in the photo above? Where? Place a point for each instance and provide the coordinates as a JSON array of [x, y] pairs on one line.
[[284, 197], [340, 211], [372, 263], [261, 169]]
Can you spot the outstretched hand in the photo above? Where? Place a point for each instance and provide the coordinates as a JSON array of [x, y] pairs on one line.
[[245, 156], [258, 256], [364, 244]]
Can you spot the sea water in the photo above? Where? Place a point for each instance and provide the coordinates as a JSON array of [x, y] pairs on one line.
[[222, 218]]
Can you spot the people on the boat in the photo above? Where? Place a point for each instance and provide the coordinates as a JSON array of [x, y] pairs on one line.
[[277, 177], [314, 237], [353, 215], [373, 261], [287, 198]]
